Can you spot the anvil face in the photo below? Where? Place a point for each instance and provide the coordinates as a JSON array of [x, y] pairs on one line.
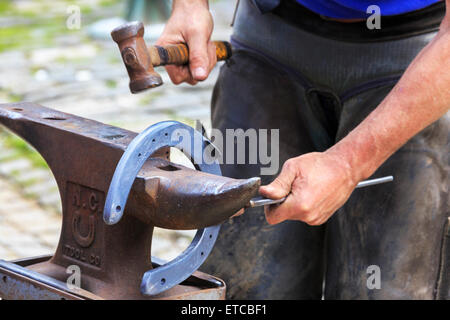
[[83, 155]]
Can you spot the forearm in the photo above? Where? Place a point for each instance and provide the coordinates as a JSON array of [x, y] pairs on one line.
[[189, 3], [420, 97]]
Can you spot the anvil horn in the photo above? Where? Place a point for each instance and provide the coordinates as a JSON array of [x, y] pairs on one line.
[[183, 198]]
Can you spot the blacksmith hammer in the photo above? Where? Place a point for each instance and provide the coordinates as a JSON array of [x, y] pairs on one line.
[[140, 60]]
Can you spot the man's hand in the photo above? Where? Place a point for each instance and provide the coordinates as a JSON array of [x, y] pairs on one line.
[[191, 23], [317, 184], [320, 183]]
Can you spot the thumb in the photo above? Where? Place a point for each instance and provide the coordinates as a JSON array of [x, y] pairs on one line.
[[281, 186], [198, 56]]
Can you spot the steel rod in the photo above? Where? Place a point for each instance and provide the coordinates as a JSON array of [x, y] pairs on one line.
[[261, 201]]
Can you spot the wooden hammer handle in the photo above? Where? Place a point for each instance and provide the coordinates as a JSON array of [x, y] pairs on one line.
[[178, 54]]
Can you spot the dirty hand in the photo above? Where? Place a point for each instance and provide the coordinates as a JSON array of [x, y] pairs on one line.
[[317, 184], [190, 23]]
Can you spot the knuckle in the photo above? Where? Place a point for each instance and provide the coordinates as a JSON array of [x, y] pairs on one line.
[[289, 165], [312, 223], [176, 75], [310, 220], [176, 79], [304, 207]]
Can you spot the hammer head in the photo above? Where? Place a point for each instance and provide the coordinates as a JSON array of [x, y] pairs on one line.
[[136, 56]]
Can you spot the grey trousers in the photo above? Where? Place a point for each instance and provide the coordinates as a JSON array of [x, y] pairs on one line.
[[315, 90]]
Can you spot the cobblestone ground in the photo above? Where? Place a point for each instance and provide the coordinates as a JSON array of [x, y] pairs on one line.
[[26, 229], [72, 72]]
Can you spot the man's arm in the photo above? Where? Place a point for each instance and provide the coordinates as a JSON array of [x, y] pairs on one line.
[[320, 183]]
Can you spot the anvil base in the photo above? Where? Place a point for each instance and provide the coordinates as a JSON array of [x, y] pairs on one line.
[[18, 282]]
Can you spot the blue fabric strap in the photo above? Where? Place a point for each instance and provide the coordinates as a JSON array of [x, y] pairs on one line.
[[350, 9], [358, 8]]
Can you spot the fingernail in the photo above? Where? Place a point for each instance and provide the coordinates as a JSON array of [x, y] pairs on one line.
[[240, 212], [199, 73]]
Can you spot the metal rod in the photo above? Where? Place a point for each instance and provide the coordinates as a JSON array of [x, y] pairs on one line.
[[372, 182], [261, 201]]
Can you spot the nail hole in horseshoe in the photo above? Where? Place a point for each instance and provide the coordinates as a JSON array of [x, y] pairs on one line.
[[163, 281], [118, 208]]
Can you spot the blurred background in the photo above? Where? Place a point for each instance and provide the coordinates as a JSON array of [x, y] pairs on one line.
[[58, 53]]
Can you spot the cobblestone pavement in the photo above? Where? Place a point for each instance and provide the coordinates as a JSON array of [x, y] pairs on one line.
[[26, 229], [79, 75]]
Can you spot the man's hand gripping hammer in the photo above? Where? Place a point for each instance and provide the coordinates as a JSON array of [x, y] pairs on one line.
[[140, 60]]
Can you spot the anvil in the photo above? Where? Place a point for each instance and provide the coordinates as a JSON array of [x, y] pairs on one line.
[[115, 259]]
